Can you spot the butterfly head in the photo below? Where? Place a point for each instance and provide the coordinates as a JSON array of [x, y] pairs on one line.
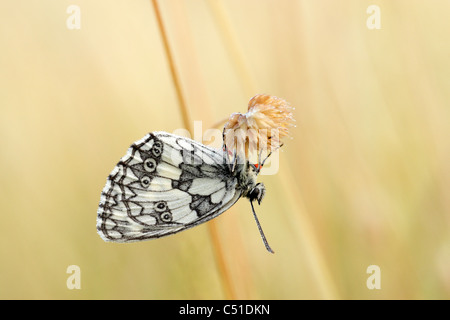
[[257, 193], [246, 175]]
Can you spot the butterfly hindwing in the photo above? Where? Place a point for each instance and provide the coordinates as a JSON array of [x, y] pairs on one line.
[[164, 184]]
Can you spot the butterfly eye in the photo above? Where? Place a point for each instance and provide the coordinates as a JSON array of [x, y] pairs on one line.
[[161, 206], [166, 217], [145, 181], [150, 165]]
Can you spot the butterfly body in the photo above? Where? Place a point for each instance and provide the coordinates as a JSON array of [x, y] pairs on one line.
[[167, 183]]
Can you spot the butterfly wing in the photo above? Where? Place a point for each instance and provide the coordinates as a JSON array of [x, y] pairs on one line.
[[164, 184]]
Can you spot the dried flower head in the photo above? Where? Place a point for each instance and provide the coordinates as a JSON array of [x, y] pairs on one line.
[[261, 129]]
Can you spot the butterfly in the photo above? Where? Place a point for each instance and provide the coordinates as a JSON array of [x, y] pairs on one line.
[[167, 183]]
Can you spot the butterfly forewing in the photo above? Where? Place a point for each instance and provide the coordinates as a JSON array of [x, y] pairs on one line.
[[164, 184]]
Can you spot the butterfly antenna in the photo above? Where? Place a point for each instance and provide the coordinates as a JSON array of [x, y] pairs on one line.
[[263, 237]]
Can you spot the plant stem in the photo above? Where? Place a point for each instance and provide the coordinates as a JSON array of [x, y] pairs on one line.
[[217, 246]]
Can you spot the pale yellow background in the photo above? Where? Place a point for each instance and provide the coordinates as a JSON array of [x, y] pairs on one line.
[[365, 179]]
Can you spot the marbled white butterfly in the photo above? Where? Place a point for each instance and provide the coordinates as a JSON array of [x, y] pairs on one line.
[[167, 183]]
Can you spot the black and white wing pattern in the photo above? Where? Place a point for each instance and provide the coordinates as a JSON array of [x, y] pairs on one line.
[[164, 184]]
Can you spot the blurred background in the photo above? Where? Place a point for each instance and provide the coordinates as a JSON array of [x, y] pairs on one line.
[[365, 179]]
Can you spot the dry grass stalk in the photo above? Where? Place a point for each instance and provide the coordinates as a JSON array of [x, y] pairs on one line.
[[218, 251]]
